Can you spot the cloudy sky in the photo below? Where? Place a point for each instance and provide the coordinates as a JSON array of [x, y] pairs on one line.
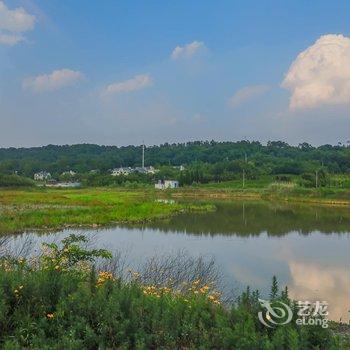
[[119, 72]]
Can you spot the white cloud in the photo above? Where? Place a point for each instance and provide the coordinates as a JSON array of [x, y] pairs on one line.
[[13, 23], [188, 50], [320, 75], [137, 83], [10, 39], [246, 94], [53, 81]]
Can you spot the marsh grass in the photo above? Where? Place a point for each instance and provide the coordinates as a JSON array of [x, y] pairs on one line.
[[54, 209]]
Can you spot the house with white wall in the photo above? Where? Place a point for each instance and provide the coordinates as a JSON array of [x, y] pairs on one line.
[[166, 184], [121, 171], [42, 176]]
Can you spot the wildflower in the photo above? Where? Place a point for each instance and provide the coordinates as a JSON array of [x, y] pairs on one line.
[[166, 290], [214, 298], [204, 289], [50, 316], [103, 277]]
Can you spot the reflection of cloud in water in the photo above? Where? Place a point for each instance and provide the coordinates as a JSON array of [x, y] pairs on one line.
[[247, 277], [314, 282]]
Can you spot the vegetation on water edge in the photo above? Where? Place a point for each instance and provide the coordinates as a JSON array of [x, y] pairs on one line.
[[22, 210], [74, 297], [31, 209], [267, 188]]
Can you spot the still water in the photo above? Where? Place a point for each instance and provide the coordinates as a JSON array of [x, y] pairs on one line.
[[306, 247]]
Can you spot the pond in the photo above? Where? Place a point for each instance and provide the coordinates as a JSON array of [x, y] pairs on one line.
[[306, 247]]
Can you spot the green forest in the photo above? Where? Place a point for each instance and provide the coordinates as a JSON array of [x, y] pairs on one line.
[[204, 161]]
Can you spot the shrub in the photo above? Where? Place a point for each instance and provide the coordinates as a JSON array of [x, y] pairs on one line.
[[61, 299]]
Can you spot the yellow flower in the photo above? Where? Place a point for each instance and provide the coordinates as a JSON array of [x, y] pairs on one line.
[[103, 277], [50, 316], [204, 289]]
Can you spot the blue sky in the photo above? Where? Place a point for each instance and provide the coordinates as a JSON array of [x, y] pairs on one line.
[[108, 72]]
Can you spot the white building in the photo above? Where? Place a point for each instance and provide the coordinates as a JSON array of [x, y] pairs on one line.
[[42, 176], [179, 167], [69, 173], [165, 184], [145, 170], [127, 171], [121, 171], [151, 170]]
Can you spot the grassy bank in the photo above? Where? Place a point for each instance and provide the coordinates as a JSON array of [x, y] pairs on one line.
[[266, 188], [54, 209], [22, 210], [73, 297]]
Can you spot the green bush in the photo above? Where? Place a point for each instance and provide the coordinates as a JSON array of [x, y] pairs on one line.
[[61, 299], [15, 181]]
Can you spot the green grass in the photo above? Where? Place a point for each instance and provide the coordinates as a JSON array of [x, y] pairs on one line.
[[22, 210], [53, 209], [260, 183], [338, 192]]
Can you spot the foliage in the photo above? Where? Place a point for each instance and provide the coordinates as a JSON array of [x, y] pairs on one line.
[[76, 306], [14, 181], [205, 161]]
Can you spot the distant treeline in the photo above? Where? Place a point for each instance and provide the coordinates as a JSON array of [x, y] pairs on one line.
[[205, 160]]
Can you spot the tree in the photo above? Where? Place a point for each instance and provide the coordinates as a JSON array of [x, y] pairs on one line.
[[274, 288]]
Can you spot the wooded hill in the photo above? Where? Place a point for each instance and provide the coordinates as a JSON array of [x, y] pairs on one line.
[[274, 158]]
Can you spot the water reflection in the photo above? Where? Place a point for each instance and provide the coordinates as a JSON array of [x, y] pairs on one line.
[[306, 247], [253, 218]]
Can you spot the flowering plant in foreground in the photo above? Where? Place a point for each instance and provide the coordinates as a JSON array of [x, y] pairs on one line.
[[62, 299]]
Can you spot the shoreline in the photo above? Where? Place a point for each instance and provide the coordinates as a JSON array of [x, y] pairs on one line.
[[226, 194], [93, 208]]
